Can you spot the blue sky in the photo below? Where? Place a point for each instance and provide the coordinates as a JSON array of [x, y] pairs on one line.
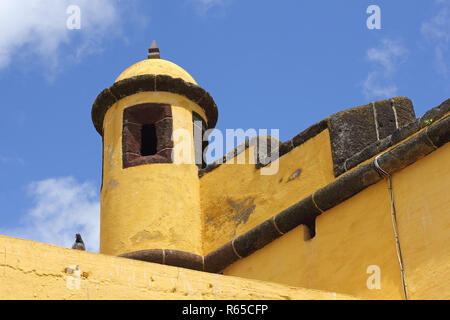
[[282, 65]]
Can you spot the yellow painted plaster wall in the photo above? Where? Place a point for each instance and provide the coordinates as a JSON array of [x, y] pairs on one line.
[[244, 198], [422, 199], [32, 270], [358, 233], [349, 238], [150, 206]]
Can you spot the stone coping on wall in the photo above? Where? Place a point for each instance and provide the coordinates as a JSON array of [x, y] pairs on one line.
[[399, 135], [149, 83], [346, 154], [434, 135], [261, 152], [265, 157]]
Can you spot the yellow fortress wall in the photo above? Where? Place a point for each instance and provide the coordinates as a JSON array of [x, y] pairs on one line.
[[32, 270], [236, 205], [358, 233], [422, 199]]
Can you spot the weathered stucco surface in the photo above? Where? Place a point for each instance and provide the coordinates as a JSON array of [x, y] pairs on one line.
[[32, 270], [358, 233], [422, 199], [150, 206], [244, 198]]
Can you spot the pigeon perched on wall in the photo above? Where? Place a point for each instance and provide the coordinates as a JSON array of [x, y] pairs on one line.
[[79, 244]]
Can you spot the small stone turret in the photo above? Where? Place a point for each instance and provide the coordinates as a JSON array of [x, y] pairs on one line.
[[150, 196]]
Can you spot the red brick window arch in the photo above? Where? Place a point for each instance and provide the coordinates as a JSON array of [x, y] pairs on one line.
[[147, 134]]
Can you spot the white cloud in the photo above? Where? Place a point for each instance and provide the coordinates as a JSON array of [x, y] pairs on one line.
[[384, 59], [11, 160], [61, 208], [388, 55], [37, 30], [203, 6], [437, 32], [374, 89]]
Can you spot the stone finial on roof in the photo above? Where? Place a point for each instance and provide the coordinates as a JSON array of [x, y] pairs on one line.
[[153, 52]]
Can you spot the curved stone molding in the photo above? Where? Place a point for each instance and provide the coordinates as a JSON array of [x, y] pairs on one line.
[[147, 83], [399, 135], [168, 257]]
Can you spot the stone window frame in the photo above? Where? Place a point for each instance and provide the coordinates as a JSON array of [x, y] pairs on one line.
[[134, 118], [200, 126]]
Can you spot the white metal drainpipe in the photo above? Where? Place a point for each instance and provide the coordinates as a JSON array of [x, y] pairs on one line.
[[394, 224]]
